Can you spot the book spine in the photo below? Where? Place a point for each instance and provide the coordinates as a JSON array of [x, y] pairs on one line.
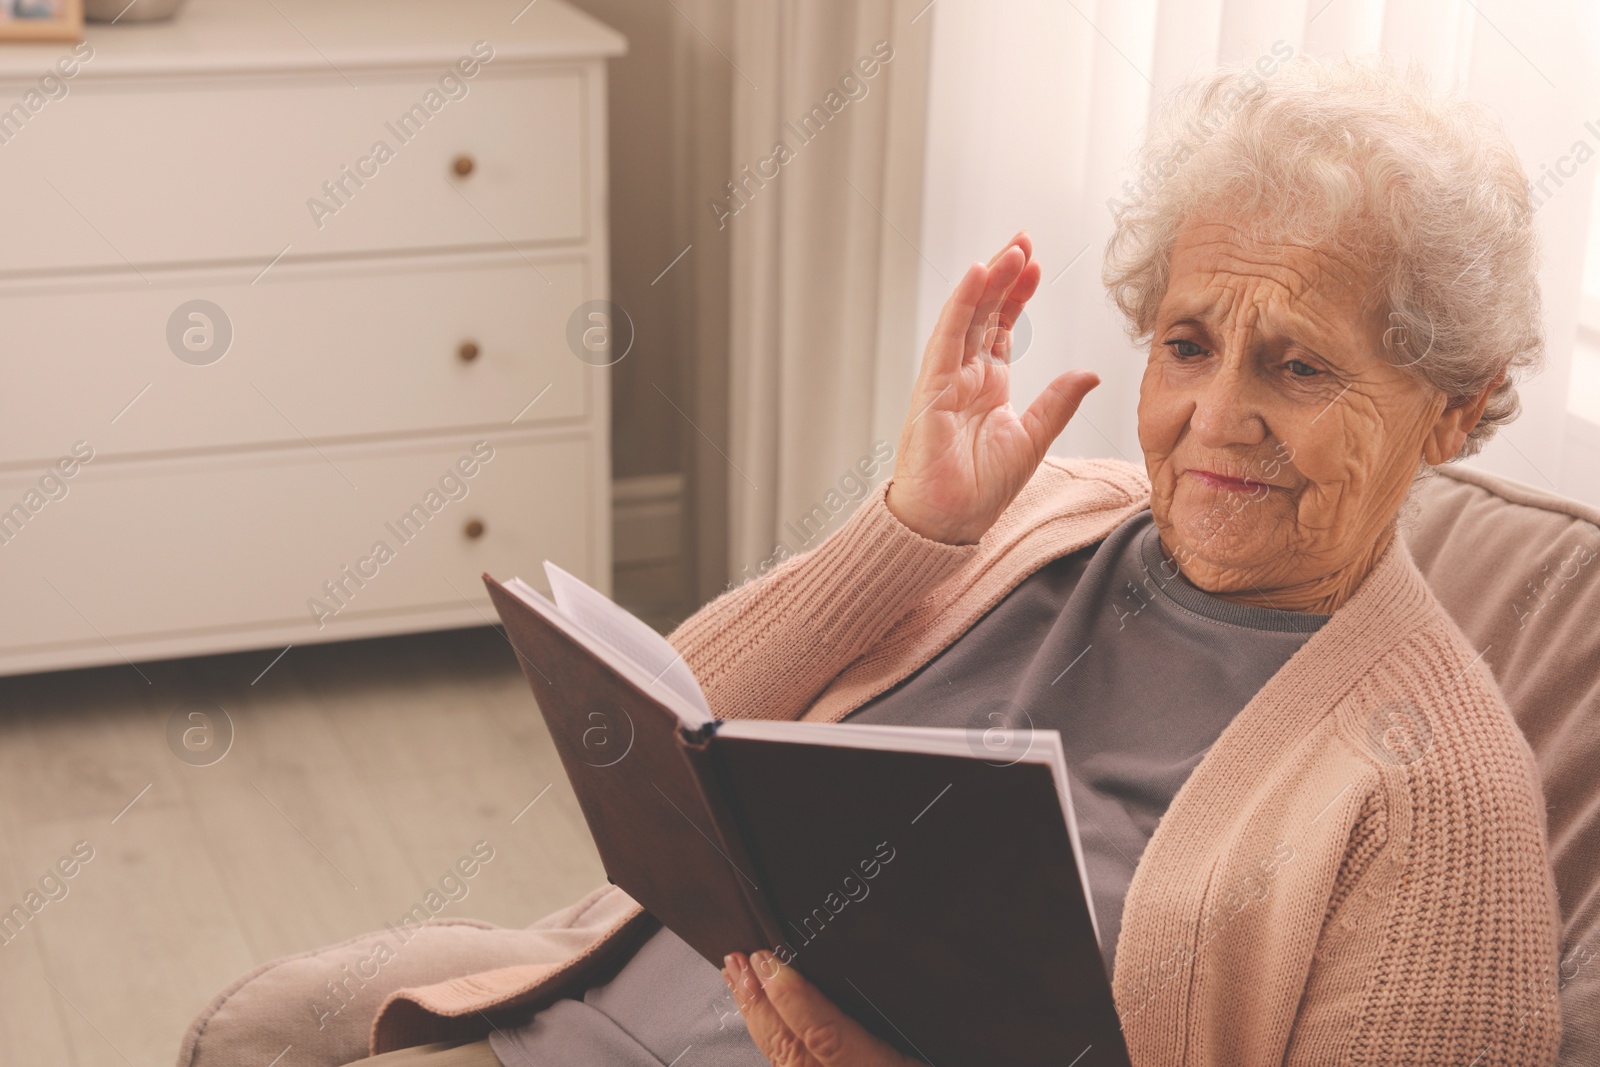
[[698, 750]]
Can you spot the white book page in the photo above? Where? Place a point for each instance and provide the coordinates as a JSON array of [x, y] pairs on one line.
[[1044, 746], [626, 633], [690, 715]]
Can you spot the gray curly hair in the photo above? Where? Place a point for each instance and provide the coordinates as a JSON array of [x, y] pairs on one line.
[[1427, 195]]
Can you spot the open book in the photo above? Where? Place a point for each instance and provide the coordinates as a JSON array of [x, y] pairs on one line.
[[935, 893]]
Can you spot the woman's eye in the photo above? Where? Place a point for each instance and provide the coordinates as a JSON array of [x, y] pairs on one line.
[[1302, 370], [1184, 349]]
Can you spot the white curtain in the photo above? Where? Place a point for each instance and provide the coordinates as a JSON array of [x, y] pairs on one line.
[[823, 261], [1035, 107]]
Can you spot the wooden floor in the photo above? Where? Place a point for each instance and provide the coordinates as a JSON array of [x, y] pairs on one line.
[[358, 773]]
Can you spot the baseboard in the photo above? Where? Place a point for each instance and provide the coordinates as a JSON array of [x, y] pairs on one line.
[[647, 519]]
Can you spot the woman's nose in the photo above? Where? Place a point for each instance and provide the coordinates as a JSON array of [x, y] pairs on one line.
[[1225, 412]]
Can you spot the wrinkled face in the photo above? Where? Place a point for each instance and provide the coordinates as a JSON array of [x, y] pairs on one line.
[[1279, 439]]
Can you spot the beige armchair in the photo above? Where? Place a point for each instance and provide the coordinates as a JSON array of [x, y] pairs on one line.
[[1518, 569]]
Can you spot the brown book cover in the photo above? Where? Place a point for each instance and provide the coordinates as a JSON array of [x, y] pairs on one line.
[[933, 894]]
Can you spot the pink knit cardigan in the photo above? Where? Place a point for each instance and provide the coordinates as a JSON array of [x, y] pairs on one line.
[[1355, 872]]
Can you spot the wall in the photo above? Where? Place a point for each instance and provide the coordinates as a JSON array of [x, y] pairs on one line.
[[670, 117]]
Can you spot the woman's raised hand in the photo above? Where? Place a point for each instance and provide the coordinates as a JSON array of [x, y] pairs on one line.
[[964, 453]]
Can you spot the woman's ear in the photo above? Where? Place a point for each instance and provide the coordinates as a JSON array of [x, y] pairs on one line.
[[1450, 429]]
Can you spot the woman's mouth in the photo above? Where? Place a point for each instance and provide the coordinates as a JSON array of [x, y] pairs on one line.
[[1225, 482]]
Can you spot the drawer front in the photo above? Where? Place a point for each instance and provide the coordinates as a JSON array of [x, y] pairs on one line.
[[314, 354], [141, 551], [157, 171]]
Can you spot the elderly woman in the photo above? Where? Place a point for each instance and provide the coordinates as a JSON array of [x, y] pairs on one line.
[[1313, 832]]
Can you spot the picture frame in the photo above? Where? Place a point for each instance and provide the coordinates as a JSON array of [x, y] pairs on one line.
[[41, 20]]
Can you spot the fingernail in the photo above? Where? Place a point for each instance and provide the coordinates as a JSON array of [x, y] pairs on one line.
[[727, 961], [765, 965]]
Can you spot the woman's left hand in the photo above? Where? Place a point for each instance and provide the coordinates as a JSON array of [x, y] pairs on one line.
[[794, 1025]]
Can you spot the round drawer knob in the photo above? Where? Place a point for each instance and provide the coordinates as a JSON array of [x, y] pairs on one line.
[[468, 351], [473, 529], [463, 165]]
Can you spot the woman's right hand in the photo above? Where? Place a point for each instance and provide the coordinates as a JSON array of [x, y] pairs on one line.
[[964, 453]]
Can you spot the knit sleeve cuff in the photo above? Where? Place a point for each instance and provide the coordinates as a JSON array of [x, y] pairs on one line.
[[768, 647], [872, 571], [867, 573]]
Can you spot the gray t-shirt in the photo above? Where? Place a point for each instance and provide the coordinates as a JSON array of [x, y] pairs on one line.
[[1137, 669]]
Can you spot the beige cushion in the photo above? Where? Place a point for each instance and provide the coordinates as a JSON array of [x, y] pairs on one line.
[[296, 1001], [1519, 570]]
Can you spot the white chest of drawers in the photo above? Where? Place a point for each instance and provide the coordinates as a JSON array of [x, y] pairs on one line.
[[392, 212]]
